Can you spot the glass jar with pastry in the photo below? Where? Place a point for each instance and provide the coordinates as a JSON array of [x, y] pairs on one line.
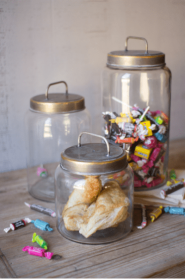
[[94, 193]]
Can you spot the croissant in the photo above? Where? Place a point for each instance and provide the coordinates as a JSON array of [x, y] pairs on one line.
[[109, 210], [74, 216], [85, 191]]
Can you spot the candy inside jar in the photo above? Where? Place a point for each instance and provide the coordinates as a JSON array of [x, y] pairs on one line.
[[94, 193], [143, 133]]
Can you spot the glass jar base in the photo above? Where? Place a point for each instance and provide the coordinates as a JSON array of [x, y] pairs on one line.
[[44, 190], [108, 235]]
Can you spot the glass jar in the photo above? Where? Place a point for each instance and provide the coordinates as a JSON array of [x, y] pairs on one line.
[[136, 92], [94, 193], [52, 124]]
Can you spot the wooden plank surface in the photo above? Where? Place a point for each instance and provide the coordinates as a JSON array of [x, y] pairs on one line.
[[156, 251]]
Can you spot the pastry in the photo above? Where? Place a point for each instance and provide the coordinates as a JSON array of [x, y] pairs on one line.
[[85, 191], [74, 216], [109, 210], [87, 214]]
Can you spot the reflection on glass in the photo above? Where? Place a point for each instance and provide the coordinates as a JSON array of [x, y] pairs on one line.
[[144, 88], [125, 84], [47, 128]]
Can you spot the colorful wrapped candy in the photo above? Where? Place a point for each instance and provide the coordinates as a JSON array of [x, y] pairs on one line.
[[172, 188], [151, 142], [42, 172], [41, 209], [172, 175], [175, 210], [42, 225], [17, 225], [38, 252], [40, 241], [144, 135], [156, 213]]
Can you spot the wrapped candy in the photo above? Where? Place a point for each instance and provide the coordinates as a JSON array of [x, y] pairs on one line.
[[41, 209], [156, 213], [175, 210], [40, 241], [38, 252], [17, 225], [42, 225], [146, 134], [42, 172], [155, 154], [151, 142]]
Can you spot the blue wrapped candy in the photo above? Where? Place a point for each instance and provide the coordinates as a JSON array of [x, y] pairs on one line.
[[175, 210], [42, 225], [161, 137]]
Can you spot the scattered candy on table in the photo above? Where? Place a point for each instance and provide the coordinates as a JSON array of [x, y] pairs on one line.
[[17, 225], [172, 188], [144, 218], [42, 225], [175, 210], [156, 213], [41, 209], [42, 172], [38, 252], [172, 175], [172, 179], [145, 133], [40, 241]]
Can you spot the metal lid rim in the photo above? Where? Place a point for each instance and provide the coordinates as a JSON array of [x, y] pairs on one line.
[[93, 173], [116, 66]]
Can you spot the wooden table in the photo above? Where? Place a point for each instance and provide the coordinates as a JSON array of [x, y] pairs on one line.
[[157, 251]]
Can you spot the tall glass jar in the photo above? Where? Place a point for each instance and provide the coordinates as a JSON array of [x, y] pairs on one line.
[[52, 124], [94, 193], [136, 93]]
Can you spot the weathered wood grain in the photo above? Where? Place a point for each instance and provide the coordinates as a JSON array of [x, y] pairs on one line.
[[177, 271], [156, 251], [6, 270]]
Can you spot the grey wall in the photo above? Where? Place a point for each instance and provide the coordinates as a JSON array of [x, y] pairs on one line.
[[43, 41]]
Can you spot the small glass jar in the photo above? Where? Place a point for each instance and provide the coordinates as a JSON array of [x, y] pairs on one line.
[[136, 93], [94, 193], [52, 124]]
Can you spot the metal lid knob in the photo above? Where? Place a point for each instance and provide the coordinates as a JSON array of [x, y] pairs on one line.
[[57, 102], [129, 59]]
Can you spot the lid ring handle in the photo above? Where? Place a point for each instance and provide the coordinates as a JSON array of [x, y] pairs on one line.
[[56, 83], [92, 134], [139, 38]]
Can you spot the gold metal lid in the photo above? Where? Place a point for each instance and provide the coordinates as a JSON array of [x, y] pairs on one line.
[[57, 102], [135, 58], [94, 158]]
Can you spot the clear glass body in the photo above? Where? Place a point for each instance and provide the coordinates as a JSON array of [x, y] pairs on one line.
[[47, 136], [85, 214], [145, 87]]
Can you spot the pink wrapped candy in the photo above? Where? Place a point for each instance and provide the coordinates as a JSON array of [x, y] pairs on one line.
[[151, 142], [38, 252], [155, 154], [145, 169], [147, 165], [154, 113], [154, 183], [137, 182], [135, 158], [42, 172]]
